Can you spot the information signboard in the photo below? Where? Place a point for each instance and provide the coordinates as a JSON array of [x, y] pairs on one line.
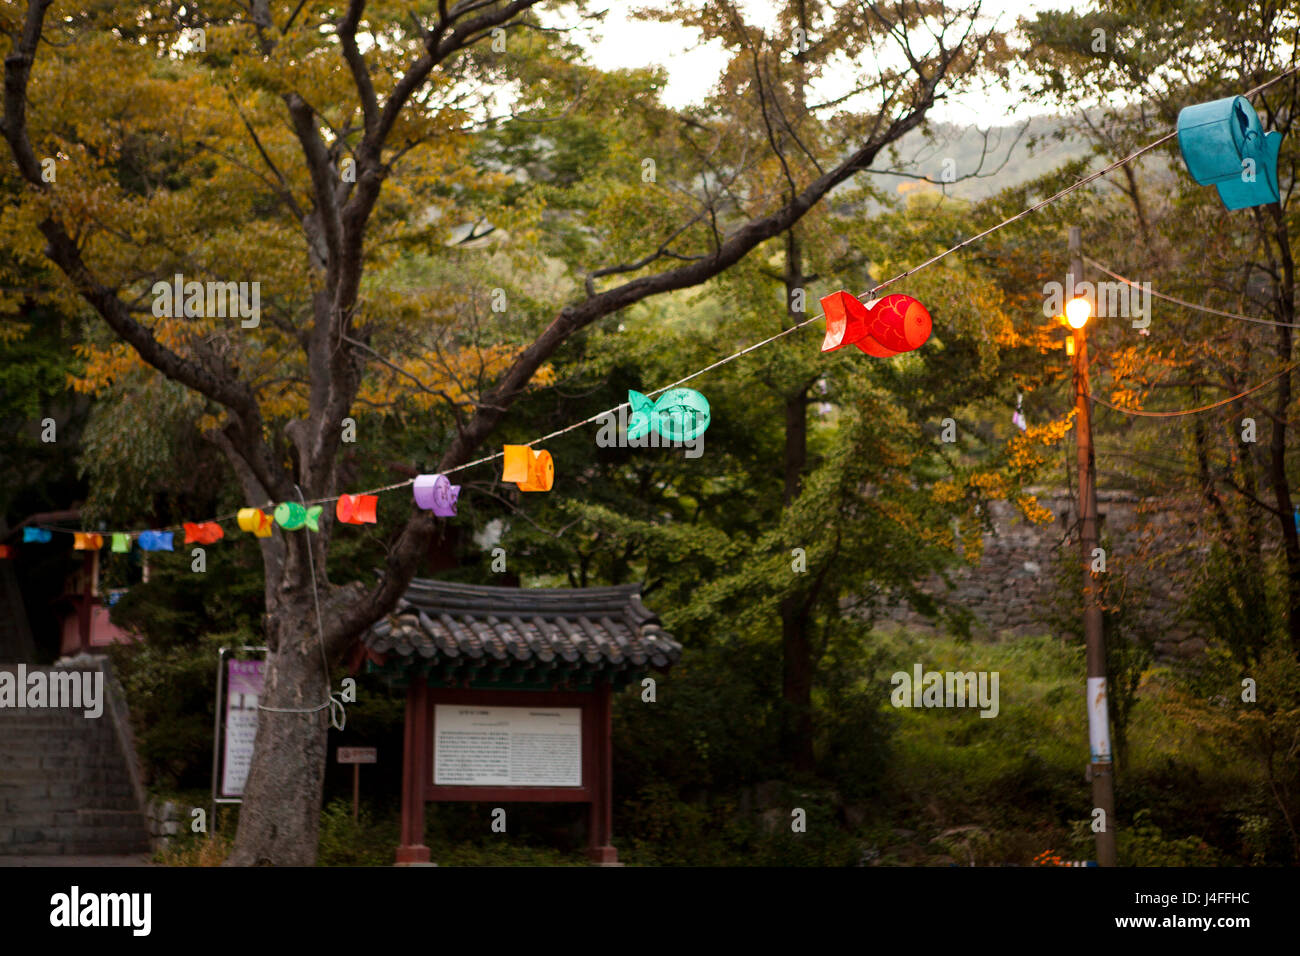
[[507, 746]]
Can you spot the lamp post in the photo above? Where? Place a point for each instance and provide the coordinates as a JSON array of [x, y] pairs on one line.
[[1101, 767]]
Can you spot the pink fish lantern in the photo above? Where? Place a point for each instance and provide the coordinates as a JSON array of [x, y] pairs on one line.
[[356, 509], [436, 493]]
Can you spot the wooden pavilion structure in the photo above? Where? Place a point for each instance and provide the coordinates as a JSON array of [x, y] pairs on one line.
[[509, 694]]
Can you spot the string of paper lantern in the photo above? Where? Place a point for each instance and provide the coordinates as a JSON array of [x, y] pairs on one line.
[[1217, 140]]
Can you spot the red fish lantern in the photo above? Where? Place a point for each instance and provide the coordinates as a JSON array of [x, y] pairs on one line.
[[883, 328], [846, 320], [204, 532], [356, 509], [900, 323]]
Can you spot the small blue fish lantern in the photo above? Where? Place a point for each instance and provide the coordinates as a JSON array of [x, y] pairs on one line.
[[155, 541], [1224, 143]]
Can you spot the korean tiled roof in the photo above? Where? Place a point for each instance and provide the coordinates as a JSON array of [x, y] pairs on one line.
[[454, 632]]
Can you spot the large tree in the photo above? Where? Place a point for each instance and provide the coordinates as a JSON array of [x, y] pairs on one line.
[[308, 146]]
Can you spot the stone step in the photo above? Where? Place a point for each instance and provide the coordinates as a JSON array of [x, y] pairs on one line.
[[53, 722], [65, 764], [64, 784], [92, 816], [67, 761], [49, 740], [92, 773], [114, 847], [42, 848], [110, 848], [73, 834], [81, 775], [11, 809]]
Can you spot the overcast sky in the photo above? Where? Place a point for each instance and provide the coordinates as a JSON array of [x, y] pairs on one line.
[[693, 69]]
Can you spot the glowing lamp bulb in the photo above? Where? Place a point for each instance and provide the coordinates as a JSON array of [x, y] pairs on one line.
[[1077, 312]]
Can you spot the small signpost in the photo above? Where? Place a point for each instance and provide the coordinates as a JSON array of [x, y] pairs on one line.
[[357, 756]]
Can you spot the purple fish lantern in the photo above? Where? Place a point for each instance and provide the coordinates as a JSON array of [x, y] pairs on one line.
[[436, 493]]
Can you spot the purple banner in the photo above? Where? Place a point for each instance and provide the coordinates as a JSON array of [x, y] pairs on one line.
[[243, 687]]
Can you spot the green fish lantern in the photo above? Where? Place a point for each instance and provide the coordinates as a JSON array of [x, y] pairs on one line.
[[679, 415], [291, 516]]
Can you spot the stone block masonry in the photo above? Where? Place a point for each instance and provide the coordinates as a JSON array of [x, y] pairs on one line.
[[1010, 591]]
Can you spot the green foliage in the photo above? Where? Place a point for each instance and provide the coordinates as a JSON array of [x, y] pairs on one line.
[[169, 677], [125, 464], [171, 688], [504, 853], [1235, 599], [190, 849], [1142, 843], [36, 359], [663, 830], [361, 843], [713, 724]]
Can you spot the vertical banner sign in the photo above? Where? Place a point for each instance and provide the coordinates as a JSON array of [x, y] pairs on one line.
[[243, 687], [1098, 725]]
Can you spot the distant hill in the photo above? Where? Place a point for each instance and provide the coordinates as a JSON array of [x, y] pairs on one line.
[[1002, 158]]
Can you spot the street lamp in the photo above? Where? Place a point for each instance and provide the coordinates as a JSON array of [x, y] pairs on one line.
[[1077, 312]]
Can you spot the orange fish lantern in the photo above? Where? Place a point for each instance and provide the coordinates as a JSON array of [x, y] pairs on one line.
[[203, 532], [356, 509], [84, 541], [883, 327], [530, 470], [254, 521]]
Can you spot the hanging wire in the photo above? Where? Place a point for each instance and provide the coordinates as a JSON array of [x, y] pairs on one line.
[[1190, 305], [1193, 411]]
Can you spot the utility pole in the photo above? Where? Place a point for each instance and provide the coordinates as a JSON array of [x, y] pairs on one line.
[[1101, 766]]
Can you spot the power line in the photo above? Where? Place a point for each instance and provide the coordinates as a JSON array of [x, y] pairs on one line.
[[1193, 411], [1190, 305]]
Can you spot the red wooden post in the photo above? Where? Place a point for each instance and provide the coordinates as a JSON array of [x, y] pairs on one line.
[[601, 821], [356, 792], [87, 600], [414, 762]]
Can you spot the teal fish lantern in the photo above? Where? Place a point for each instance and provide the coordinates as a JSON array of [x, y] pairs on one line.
[[1223, 143], [291, 516], [679, 415]]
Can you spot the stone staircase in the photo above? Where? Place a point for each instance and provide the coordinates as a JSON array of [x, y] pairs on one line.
[[65, 784]]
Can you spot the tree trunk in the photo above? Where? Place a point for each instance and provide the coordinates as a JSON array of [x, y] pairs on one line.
[[280, 817], [796, 684], [1285, 310], [796, 645]]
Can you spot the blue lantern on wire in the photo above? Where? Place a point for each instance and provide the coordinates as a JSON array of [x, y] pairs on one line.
[[1223, 143]]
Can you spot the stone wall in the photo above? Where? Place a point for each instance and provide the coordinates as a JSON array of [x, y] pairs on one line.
[[163, 818], [1011, 589]]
